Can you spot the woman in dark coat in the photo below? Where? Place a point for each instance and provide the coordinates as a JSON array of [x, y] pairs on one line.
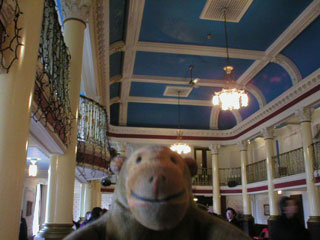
[[288, 226], [231, 217]]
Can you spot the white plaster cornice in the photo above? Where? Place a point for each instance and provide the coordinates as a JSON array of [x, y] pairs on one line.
[[135, 14], [214, 148], [100, 18], [267, 133], [304, 114], [299, 24], [115, 78], [76, 9], [214, 117], [243, 145], [247, 128], [169, 101], [118, 46], [114, 100], [198, 50]]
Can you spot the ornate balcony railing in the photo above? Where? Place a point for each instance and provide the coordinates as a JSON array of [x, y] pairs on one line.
[[257, 171], [230, 176], [203, 177], [51, 105], [93, 143], [316, 149], [289, 163]]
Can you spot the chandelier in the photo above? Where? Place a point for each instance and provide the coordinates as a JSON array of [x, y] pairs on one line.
[[33, 168], [180, 148], [229, 98]]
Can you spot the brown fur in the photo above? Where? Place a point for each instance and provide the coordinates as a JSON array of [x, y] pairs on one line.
[[153, 200]]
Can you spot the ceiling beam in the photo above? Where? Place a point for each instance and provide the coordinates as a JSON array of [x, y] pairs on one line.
[[198, 50], [299, 24], [135, 14], [173, 101], [203, 82]]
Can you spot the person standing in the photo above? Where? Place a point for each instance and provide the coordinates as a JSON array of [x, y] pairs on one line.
[[231, 217], [287, 225]]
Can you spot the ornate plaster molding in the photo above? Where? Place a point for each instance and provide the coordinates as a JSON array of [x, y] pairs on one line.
[[243, 145], [214, 148], [304, 114], [214, 117], [76, 9], [267, 133]]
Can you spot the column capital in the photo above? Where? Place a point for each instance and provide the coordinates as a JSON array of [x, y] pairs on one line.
[[76, 9], [304, 114], [267, 133], [214, 148], [243, 145]]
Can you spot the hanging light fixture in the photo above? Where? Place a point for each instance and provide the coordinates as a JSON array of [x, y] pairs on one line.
[[229, 98], [181, 148], [33, 168]]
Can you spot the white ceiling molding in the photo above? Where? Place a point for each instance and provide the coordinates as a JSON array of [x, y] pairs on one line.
[[245, 129], [115, 78], [214, 118], [237, 115], [295, 28], [118, 46], [135, 14], [289, 66], [203, 82], [100, 19], [172, 101], [114, 100], [198, 50]]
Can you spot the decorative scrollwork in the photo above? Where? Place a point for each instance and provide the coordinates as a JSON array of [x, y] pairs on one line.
[[51, 93], [10, 39]]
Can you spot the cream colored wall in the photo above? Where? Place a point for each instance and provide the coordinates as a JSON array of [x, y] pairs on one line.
[[289, 138], [229, 156], [29, 194]]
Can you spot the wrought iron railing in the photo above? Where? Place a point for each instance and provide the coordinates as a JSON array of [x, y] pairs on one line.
[[203, 177], [316, 149], [230, 176], [289, 163], [93, 144], [51, 93], [257, 171]]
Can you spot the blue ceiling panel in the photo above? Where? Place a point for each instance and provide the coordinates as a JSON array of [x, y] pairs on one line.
[[304, 51], [166, 116], [115, 90], [253, 106], [139, 89], [177, 65], [118, 9], [179, 22], [226, 120], [116, 63], [114, 114], [272, 81]]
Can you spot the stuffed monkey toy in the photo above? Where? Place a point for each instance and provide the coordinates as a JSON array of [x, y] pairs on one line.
[[153, 201]]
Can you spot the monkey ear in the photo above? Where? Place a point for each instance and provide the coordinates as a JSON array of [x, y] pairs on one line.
[[116, 164], [192, 166]]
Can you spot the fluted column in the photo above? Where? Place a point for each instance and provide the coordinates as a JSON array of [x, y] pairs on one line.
[[121, 148], [215, 179], [309, 159], [75, 13], [16, 91], [248, 219]]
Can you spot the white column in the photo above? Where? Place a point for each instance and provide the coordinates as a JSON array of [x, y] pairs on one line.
[[309, 158], [85, 199], [215, 179], [268, 138], [16, 91], [245, 197]]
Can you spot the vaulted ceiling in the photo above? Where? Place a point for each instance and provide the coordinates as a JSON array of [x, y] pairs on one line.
[[153, 42]]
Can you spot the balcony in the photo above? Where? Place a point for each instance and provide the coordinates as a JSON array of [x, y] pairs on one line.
[[284, 165]]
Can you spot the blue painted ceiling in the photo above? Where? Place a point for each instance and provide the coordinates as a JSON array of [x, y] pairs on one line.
[[178, 22]]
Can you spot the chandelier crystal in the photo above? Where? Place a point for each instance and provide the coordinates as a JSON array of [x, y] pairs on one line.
[[229, 98], [180, 148]]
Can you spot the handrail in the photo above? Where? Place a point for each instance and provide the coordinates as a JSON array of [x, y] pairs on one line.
[[316, 149], [256, 171]]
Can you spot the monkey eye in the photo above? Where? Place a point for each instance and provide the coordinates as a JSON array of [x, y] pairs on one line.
[[138, 159], [173, 160]]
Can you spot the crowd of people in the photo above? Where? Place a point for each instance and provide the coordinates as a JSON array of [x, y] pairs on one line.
[[90, 217]]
